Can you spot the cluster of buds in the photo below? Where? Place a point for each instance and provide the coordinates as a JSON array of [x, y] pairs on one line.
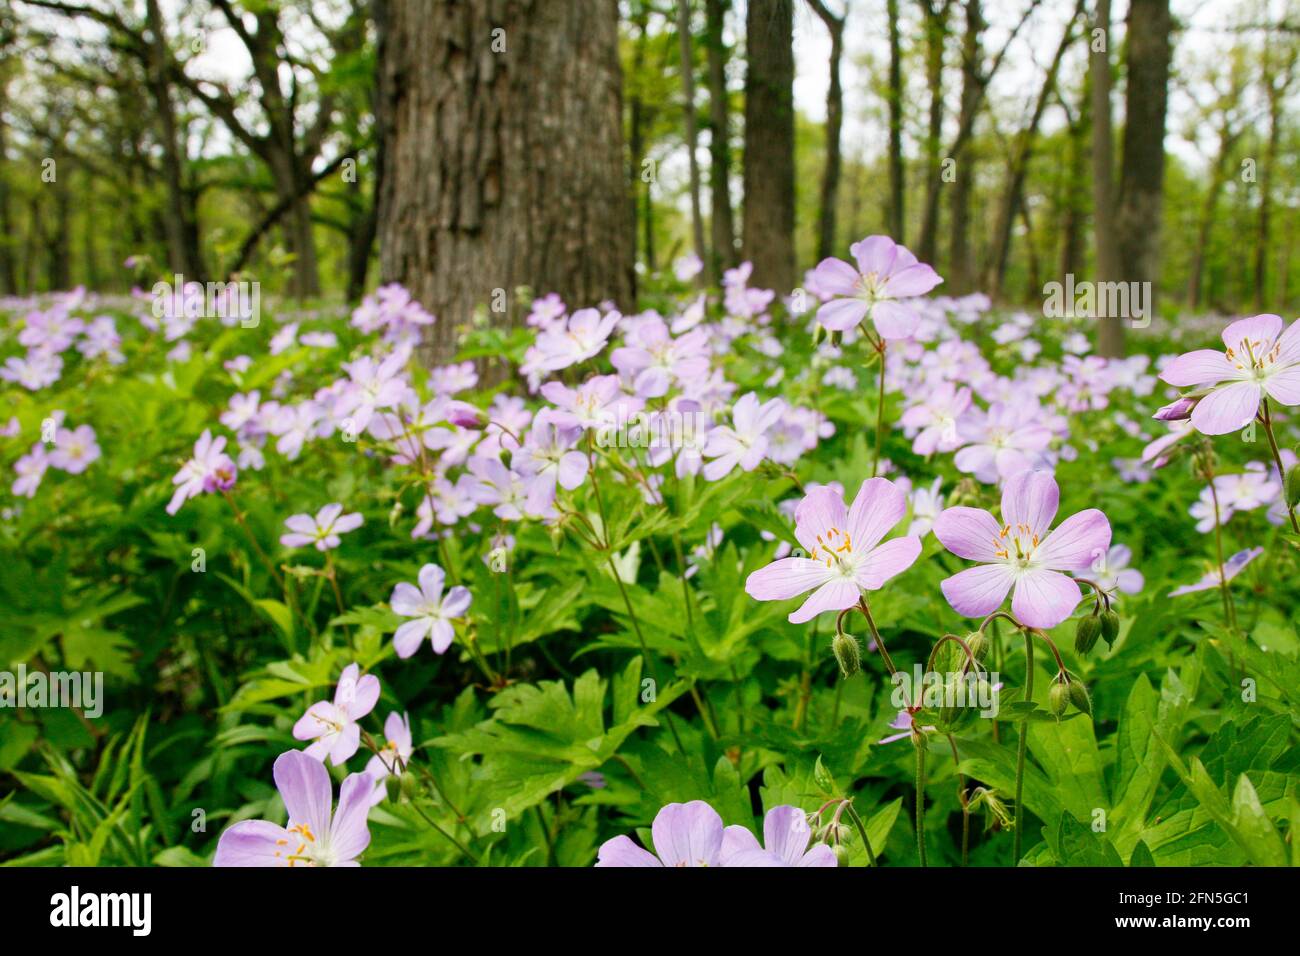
[[1067, 689], [1100, 623]]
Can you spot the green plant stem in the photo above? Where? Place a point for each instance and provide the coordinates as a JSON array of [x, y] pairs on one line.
[[880, 412], [1277, 458], [922, 744], [1020, 749], [862, 831], [447, 836], [1229, 613], [965, 803]]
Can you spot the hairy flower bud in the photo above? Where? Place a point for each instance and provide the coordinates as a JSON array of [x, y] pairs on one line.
[[1109, 627], [1293, 486], [842, 854], [822, 777], [847, 653], [978, 644], [1058, 698], [1079, 697], [1086, 633]]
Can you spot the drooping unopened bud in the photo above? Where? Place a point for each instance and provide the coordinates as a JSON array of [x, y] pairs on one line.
[[847, 653], [1086, 633], [1058, 698], [978, 644], [1109, 626], [1293, 486], [1079, 697], [393, 785], [842, 854]]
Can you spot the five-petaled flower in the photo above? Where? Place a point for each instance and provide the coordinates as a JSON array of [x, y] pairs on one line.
[[1259, 360], [432, 613], [885, 273], [322, 531], [1018, 552], [315, 834], [332, 725], [845, 553]]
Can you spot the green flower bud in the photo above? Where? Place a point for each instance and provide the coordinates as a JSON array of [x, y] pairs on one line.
[[822, 777], [1086, 633], [842, 854], [847, 653], [1058, 698], [1293, 486], [410, 785], [1109, 627], [1079, 697], [979, 645], [394, 787]]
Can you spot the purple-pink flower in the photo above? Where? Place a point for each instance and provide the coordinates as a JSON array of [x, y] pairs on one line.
[[332, 725], [885, 273], [1019, 552], [211, 469], [692, 835], [74, 449], [1259, 360], [321, 531], [432, 613], [315, 835], [1215, 577], [785, 842], [845, 554]]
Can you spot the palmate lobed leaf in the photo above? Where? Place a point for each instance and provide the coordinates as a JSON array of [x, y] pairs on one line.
[[540, 738]]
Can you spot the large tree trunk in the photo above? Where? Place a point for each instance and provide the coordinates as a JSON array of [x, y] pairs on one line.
[[722, 225], [834, 124], [1018, 169], [1141, 191], [936, 35], [182, 233], [503, 155], [897, 215], [1110, 332], [1219, 176], [8, 270], [769, 144], [1277, 80], [692, 137], [1069, 196], [961, 267]]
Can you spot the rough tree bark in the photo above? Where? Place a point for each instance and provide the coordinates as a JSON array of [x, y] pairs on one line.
[[182, 234], [769, 144], [503, 155], [1110, 331], [722, 225], [834, 124], [936, 35], [961, 265], [1139, 211], [897, 213], [692, 136], [1018, 167], [1277, 80]]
